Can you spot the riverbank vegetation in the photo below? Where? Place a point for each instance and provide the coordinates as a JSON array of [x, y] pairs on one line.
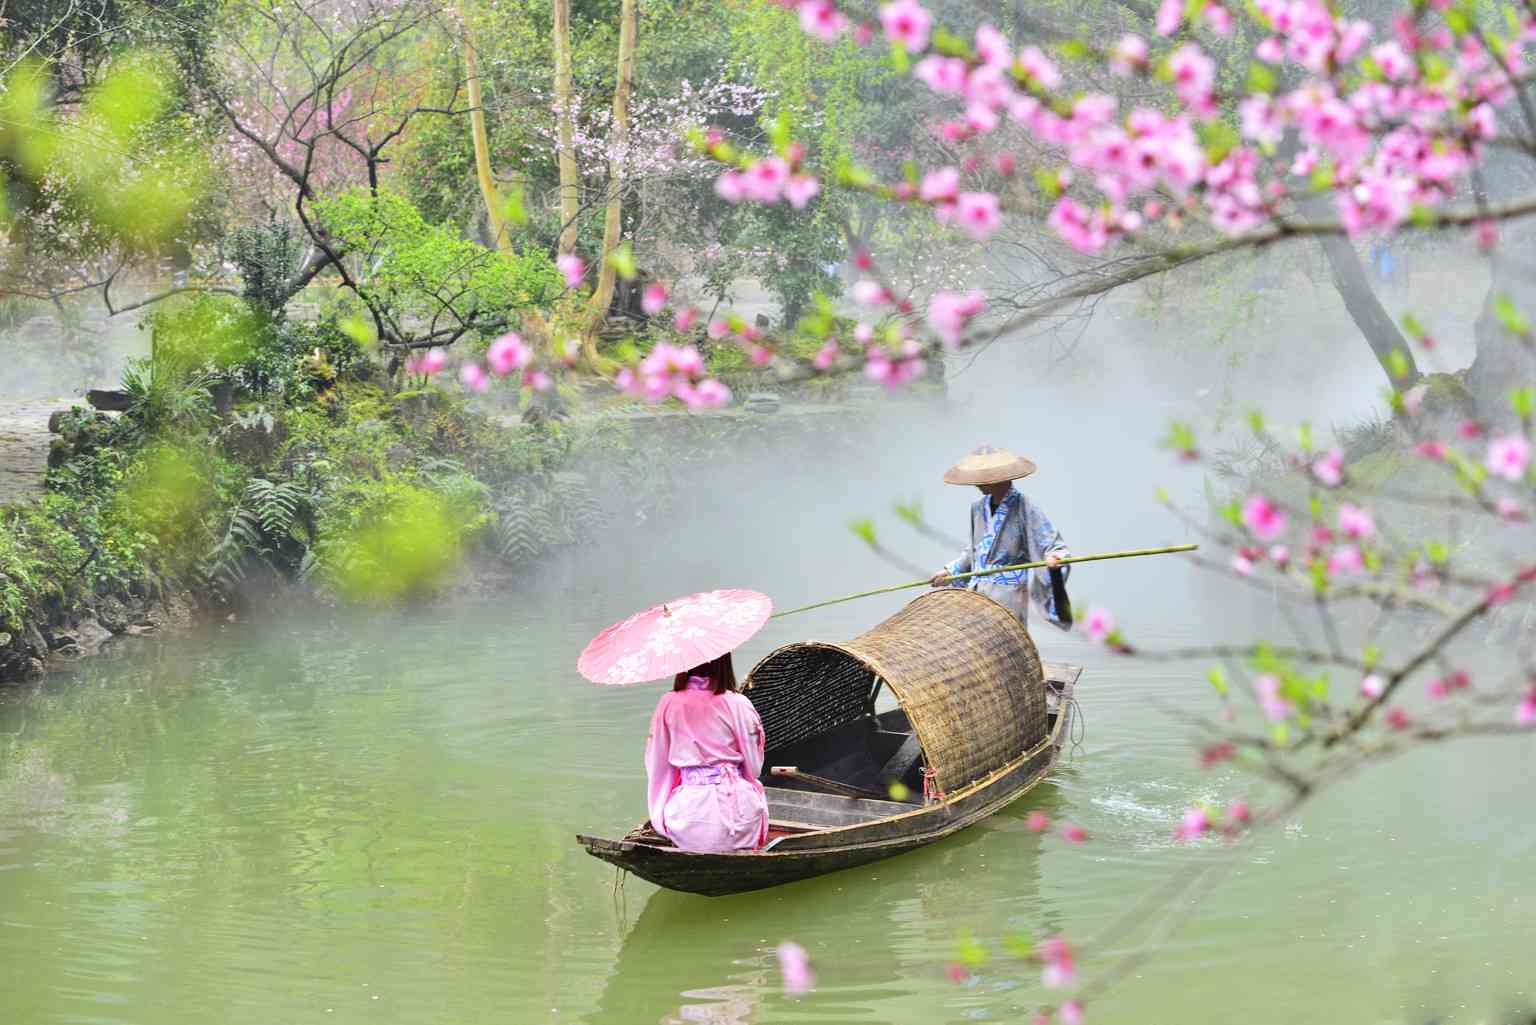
[[495, 216]]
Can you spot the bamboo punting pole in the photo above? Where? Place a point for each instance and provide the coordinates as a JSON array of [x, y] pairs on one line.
[[1101, 556]]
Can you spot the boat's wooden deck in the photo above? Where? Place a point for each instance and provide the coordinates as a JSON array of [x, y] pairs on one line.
[[809, 810]]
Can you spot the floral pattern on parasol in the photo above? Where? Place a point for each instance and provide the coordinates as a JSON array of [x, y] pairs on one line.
[[677, 635]]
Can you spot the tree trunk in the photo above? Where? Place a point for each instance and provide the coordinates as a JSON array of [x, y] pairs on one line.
[[1505, 362], [494, 210], [618, 142], [1374, 322], [565, 114]]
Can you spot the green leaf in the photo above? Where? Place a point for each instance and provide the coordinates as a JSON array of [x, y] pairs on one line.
[[1162, 496], [1021, 945], [1523, 401], [1218, 679], [1397, 363], [1218, 138], [359, 329], [513, 206], [1256, 421], [910, 512], [899, 59], [969, 952], [1370, 656], [1412, 326], [778, 131], [864, 530], [1049, 182], [622, 260], [1510, 316], [1260, 78], [1181, 437], [949, 44], [1073, 50], [1437, 552], [1322, 177], [1304, 436], [1232, 513]]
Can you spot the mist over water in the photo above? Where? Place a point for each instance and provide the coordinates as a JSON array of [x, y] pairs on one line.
[[368, 816]]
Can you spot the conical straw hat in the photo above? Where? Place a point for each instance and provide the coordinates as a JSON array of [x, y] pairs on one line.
[[988, 465]]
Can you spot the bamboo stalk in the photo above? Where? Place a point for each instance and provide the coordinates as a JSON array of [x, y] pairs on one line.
[[1099, 557]]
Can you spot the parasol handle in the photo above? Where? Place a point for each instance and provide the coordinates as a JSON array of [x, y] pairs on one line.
[[1099, 557]]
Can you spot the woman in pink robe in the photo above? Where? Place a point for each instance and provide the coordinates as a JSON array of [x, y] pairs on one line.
[[702, 761]]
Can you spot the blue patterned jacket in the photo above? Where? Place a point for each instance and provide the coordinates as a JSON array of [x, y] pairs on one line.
[[1017, 531]]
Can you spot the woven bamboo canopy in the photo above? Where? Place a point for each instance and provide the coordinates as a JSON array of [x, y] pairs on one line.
[[962, 666]]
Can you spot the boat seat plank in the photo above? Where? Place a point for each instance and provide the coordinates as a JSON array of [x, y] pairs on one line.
[[902, 761], [819, 811]]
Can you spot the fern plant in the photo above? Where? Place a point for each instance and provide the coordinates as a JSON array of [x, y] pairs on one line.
[[273, 525]]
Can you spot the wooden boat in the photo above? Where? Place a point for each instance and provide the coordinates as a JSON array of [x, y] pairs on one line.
[[980, 721]]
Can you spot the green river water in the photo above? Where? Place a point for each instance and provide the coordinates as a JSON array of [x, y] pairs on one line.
[[369, 818]]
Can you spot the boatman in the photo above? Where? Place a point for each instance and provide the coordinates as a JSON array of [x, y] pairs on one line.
[[1007, 529]]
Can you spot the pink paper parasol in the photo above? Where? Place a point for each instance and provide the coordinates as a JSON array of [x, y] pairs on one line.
[[677, 635]]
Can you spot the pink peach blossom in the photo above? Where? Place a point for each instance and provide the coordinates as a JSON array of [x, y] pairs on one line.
[[653, 298], [1098, 624], [573, 267], [731, 186], [1525, 712], [1276, 708], [822, 19], [1070, 1013], [906, 22], [1074, 833], [1329, 470], [1238, 812], [472, 376], [1060, 966], [1373, 686], [870, 293], [507, 353], [795, 968], [800, 190], [945, 75], [1508, 457], [1169, 14], [978, 213], [1355, 522], [1195, 822], [1345, 560], [1128, 55], [992, 47], [1265, 520], [1037, 822], [950, 313]]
